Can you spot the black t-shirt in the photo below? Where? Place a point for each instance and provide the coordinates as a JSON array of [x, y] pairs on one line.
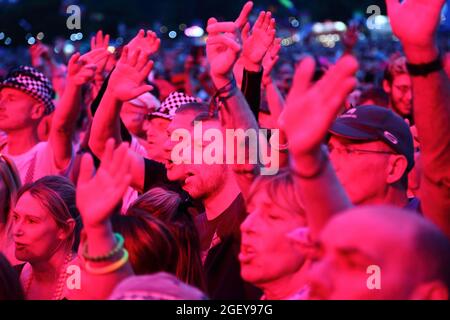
[[222, 237]]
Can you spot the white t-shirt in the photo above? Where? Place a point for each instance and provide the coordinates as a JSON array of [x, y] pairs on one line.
[[36, 163]]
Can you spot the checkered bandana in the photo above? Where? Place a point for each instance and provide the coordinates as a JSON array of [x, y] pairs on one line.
[[169, 106], [32, 82]]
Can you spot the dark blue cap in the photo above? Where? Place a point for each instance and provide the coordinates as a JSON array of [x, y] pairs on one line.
[[373, 123]]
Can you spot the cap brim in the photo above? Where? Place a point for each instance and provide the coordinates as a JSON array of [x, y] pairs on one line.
[[349, 132], [160, 115]]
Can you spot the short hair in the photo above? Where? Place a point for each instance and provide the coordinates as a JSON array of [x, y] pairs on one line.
[[281, 191], [396, 66], [57, 195], [377, 95]]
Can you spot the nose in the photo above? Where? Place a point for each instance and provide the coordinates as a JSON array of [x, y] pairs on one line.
[[17, 229], [249, 224]]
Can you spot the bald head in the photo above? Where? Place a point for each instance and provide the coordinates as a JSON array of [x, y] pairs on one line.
[[410, 251]]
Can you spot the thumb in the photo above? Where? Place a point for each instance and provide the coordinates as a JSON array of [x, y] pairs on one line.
[[140, 91], [86, 169]]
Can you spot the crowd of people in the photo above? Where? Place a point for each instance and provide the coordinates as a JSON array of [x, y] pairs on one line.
[[98, 200]]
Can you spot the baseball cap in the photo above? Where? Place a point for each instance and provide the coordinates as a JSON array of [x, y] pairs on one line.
[[170, 105], [32, 82], [374, 123], [158, 286]]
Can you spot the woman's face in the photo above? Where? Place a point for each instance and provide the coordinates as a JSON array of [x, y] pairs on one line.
[[36, 234]]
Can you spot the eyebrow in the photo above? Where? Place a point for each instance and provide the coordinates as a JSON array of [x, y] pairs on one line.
[[351, 251], [27, 215]]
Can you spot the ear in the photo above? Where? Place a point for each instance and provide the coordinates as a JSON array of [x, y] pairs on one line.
[[434, 290], [386, 86], [396, 168], [38, 111], [68, 230]]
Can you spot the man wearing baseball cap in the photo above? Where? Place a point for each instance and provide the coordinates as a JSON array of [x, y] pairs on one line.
[[372, 150]]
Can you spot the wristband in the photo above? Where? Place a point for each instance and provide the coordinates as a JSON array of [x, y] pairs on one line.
[[119, 246], [109, 268], [425, 69]]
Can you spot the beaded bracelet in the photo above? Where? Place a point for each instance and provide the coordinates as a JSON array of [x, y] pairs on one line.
[[119, 246], [109, 268]]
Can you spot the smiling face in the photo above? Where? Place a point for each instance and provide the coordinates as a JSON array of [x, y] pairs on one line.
[[267, 254], [36, 234]]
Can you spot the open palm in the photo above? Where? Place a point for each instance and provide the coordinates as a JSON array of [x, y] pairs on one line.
[[311, 109], [127, 80], [100, 193], [415, 22]]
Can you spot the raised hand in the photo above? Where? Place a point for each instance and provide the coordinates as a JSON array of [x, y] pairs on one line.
[[100, 41], [128, 78], [39, 52], [242, 20], [146, 42], [258, 42], [310, 110], [222, 49], [81, 68], [270, 59], [415, 23], [98, 194]]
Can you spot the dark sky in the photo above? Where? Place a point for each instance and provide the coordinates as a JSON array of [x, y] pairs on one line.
[[47, 15]]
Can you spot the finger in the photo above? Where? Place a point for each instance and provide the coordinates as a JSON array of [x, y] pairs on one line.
[[267, 19], [74, 59], [147, 69], [245, 13], [134, 58], [220, 27], [86, 168], [117, 157], [273, 24], [260, 20], [303, 76], [340, 93], [99, 38], [140, 91], [106, 41], [246, 32], [226, 41], [107, 154], [142, 61], [124, 55], [345, 68]]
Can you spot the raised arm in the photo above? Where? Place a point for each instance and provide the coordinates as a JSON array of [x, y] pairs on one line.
[[431, 100], [81, 69], [98, 196], [309, 112]]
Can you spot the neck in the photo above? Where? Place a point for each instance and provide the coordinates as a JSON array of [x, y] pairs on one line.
[[394, 196], [22, 140], [49, 271], [287, 286], [218, 202]]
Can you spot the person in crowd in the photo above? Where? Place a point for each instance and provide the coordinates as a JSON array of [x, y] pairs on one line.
[[10, 287]]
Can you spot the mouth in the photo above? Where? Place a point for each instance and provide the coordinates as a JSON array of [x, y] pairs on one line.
[[247, 253], [20, 246]]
